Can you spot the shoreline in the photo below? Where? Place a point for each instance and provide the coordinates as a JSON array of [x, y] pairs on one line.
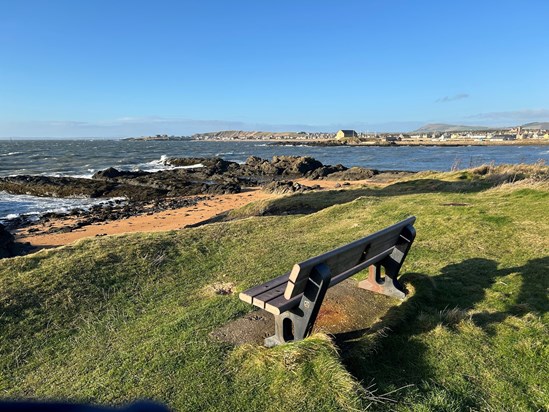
[[421, 143], [201, 212], [173, 199], [180, 187]]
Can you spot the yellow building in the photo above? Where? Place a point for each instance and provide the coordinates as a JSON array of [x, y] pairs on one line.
[[342, 134]]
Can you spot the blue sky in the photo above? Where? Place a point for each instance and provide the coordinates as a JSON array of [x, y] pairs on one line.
[[121, 68]]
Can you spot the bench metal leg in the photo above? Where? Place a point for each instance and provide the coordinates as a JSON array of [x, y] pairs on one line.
[[296, 324], [389, 285]]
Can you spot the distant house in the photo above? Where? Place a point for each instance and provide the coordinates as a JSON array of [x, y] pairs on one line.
[[342, 134]]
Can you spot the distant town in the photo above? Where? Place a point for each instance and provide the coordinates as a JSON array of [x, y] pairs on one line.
[[533, 133]]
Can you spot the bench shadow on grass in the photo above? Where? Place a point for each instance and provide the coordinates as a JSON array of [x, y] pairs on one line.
[[389, 355]]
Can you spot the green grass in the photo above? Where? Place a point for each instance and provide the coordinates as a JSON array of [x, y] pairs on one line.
[[114, 319]]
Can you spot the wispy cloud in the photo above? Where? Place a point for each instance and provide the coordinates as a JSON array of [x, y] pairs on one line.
[[453, 98], [514, 115]]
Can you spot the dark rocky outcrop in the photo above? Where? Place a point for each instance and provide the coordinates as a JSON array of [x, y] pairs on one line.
[[324, 171], [281, 187], [135, 186], [49, 186], [112, 173], [281, 166], [6, 243], [210, 165], [221, 189], [8, 246], [292, 165], [256, 169], [261, 167], [354, 173], [215, 177], [151, 192]]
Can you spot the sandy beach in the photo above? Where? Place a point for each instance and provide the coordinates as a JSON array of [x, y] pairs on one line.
[[157, 222]]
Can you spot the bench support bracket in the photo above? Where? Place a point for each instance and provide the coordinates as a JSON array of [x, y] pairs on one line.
[[296, 324], [389, 285]]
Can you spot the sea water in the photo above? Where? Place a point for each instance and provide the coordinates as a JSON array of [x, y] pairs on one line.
[[82, 158]]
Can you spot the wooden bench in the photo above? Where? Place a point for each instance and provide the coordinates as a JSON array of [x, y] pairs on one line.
[[295, 297]]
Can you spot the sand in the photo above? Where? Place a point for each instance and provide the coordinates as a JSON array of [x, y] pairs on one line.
[[162, 221]]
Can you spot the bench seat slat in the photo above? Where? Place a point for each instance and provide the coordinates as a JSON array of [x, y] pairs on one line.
[[271, 294], [248, 295], [281, 304]]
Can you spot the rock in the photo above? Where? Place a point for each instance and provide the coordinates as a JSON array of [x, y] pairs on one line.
[[112, 173], [254, 161], [6, 243], [136, 186], [211, 165], [354, 173], [281, 187], [186, 161], [280, 165], [257, 166], [109, 173], [324, 171], [8, 246], [220, 166], [296, 165], [221, 189], [51, 186]]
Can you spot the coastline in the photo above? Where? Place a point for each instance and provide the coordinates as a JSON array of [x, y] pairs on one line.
[[172, 219], [419, 143], [177, 197], [40, 236]]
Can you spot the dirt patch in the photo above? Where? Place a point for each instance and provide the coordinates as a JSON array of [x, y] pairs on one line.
[[346, 310], [219, 288], [251, 328]]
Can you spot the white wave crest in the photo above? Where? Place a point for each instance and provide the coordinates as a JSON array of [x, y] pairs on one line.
[[163, 161], [14, 206]]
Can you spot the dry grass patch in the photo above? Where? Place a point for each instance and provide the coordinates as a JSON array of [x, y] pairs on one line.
[[219, 288]]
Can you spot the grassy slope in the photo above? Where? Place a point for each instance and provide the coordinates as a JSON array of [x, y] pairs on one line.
[[118, 318]]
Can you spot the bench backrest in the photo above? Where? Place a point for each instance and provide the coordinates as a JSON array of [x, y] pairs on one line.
[[350, 259]]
